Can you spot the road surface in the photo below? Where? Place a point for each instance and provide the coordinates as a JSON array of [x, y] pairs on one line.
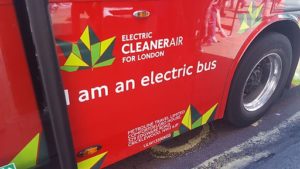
[[272, 142]]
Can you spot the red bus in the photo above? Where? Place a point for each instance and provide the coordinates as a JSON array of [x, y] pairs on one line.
[[85, 84]]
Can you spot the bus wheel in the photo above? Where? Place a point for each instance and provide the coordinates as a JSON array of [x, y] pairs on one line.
[[259, 79]]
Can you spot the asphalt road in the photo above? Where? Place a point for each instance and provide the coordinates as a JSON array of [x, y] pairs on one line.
[[273, 142]]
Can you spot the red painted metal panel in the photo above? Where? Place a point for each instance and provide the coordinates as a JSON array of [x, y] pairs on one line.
[[113, 119], [5, 2], [132, 70], [194, 74], [20, 121]]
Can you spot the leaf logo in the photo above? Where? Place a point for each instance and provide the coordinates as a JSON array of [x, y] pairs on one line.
[[88, 52], [252, 19]]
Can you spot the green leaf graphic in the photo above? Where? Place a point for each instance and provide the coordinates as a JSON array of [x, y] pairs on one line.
[[252, 19], [87, 52]]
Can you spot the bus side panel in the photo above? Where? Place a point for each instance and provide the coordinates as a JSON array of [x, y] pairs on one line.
[[20, 127], [131, 82], [139, 72]]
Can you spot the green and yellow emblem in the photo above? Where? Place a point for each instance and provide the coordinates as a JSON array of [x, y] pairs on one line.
[[9, 166], [251, 19], [88, 52]]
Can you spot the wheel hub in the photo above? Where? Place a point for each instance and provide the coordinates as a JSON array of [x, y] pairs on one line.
[[262, 82]]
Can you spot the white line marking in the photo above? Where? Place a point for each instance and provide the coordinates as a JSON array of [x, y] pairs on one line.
[[262, 138], [246, 160]]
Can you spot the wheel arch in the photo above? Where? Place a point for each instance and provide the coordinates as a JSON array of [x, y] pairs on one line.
[[288, 26], [291, 30]]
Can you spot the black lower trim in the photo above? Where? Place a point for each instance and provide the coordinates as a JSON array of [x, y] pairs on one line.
[[24, 26], [38, 41]]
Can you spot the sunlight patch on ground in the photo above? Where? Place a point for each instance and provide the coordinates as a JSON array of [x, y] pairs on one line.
[[296, 80]]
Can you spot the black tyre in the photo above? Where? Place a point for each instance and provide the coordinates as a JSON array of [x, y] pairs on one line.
[[260, 79]]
